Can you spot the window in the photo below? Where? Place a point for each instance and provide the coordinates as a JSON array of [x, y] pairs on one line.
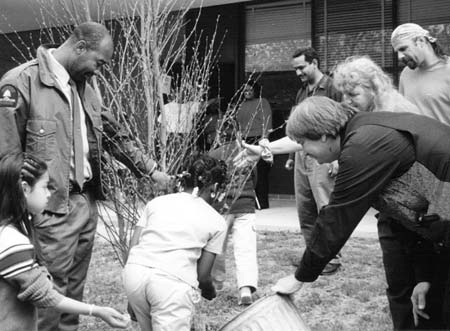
[[353, 27], [273, 32]]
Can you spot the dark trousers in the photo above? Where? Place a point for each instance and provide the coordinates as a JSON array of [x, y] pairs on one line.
[[401, 250], [262, 183], [64, 245], [262, 177]]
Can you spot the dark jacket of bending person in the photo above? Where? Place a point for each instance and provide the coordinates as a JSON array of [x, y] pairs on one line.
[[375, 151]]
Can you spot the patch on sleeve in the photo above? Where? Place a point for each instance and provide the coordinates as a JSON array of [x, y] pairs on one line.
[[8, 96]]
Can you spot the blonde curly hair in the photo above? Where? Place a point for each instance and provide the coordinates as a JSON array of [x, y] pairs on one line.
[[363, 71]]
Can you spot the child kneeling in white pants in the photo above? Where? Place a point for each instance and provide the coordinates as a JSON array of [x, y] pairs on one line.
[[173, 249]]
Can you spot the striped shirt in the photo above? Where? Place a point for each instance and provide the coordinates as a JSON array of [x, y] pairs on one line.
[[24, 285], [16, 253]]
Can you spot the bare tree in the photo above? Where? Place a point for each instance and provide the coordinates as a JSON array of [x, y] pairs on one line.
[[160, 59]]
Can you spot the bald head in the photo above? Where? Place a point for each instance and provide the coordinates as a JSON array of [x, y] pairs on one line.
[[89, 47], [94, 34]]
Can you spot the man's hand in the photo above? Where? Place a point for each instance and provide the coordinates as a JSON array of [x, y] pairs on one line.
[[161, 178], [249, 155], [287, 285], [289, 164], [418, 299]]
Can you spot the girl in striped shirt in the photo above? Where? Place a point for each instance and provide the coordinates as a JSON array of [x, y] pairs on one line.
[[24, 285]]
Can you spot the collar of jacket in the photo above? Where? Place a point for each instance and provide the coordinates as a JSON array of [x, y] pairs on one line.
[[323, 82], [45, 74]]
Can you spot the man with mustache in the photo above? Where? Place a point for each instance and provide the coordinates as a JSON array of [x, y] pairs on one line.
[[49, 108], [425, 81], [313, 183]]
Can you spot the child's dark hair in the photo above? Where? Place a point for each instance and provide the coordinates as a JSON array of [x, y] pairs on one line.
[[202, 170], [15, 168]]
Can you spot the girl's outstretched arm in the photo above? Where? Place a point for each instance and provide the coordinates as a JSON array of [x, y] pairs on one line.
[[109, 315]]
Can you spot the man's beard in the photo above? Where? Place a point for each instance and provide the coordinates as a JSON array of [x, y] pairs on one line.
[[407, 61]]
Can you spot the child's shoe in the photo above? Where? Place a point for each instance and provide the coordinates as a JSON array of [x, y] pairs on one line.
[[245, 296]]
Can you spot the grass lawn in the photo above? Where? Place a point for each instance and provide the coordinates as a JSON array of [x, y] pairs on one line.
[[352, 299]]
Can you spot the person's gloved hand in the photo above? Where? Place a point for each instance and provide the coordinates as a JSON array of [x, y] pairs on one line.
[[131, 313], [287, 285]]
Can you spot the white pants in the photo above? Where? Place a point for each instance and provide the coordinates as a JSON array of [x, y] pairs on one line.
[[161, 302], [242, 228]]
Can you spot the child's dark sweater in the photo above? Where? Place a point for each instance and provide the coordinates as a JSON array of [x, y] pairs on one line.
[[244, 203]]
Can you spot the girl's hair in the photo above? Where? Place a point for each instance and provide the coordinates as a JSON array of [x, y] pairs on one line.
[[317, 116], [15, 168], [202, 170]]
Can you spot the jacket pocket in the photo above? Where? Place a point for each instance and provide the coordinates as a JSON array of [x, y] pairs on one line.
[[41, 138]]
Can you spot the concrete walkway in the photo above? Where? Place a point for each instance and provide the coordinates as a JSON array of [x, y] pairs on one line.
[[282, 216]]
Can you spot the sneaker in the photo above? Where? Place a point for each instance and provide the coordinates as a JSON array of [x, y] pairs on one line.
[[245, 296]]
